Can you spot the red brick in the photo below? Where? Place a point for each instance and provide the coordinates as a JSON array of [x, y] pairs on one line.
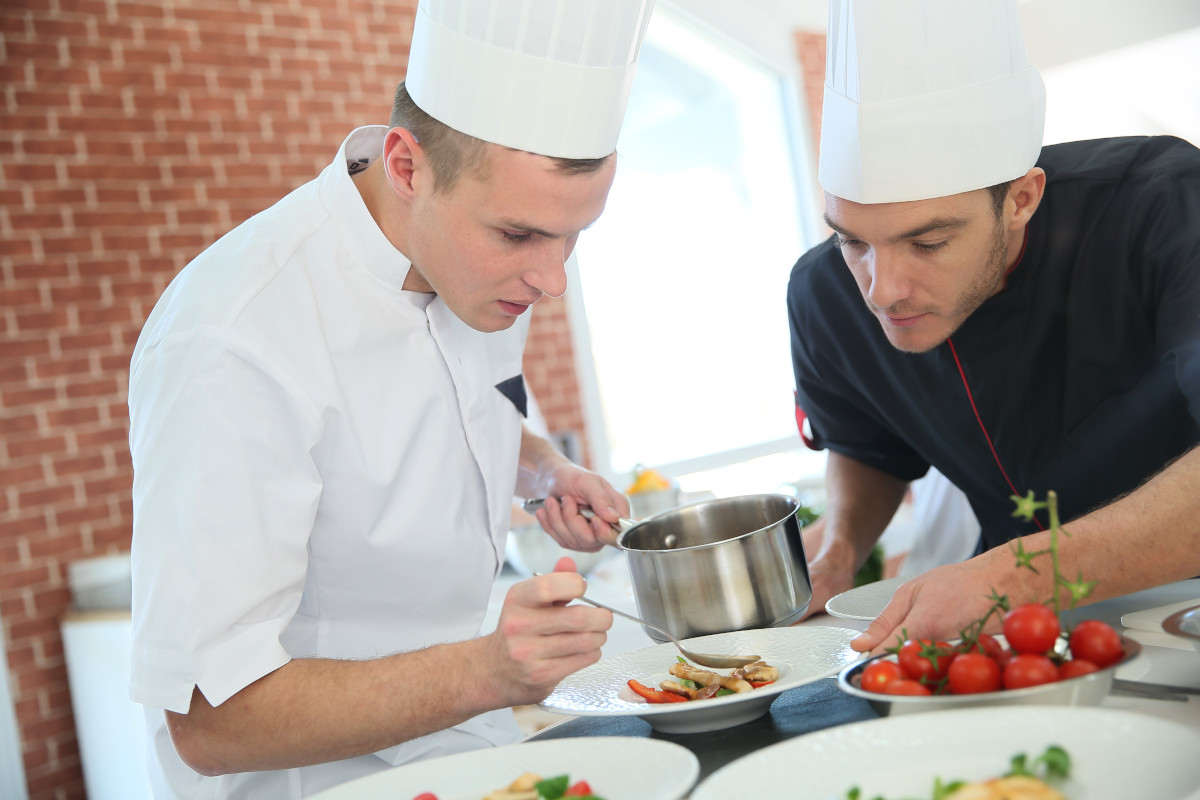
[[59, 547], [105, 315], [117, 484], [65, 195], [35, 220], [104, 437], [45, 496], [16, 476], [63, 467], [96, 388], [33, 321], [70, 417], [48, 147], [66, 245], [16, 398], [85, 341], [16, 246], [19, 348], [20, 578]]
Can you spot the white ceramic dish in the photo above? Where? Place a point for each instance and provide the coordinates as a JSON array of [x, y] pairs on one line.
[[649, 769], [1086, 690], [802, 655], [863, 602], [1116, 755]]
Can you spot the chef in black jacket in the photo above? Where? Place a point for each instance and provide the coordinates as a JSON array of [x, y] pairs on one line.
[[1024, 319]]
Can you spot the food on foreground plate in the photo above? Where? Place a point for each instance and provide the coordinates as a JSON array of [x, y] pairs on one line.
[[700, 684], [532, 786], [1023, 781]]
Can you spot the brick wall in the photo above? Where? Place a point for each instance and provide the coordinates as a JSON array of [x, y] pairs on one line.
[[133, 134]]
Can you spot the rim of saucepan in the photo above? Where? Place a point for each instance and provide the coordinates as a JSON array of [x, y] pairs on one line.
[[795, 507]]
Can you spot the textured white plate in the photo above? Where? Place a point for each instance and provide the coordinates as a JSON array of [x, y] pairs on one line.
[[802, 655], [616, 767], [864, 602], [1115, 755]]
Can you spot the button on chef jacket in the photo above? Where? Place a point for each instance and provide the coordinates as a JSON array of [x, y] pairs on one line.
[[1084, 370], [323, 467]]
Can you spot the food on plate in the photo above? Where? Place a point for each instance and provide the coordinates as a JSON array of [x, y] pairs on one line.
[[532, 786], [699, 684], [1023, 781]]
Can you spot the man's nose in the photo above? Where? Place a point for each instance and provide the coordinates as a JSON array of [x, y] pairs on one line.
[[890, 283], [548, 273]]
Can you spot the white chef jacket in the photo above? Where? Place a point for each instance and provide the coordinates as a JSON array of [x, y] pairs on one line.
[[323, 467]]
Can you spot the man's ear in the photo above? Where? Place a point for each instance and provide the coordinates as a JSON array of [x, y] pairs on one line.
[[1024, 196], [403, 158]]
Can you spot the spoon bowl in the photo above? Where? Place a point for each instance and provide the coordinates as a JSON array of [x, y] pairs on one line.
[[703, 659]]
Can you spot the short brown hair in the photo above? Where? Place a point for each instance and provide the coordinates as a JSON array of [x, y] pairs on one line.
[[452, 153], [999, 193]]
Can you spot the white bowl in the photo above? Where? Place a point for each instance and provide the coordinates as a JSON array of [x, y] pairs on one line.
[[1086, 690], [530, 549]]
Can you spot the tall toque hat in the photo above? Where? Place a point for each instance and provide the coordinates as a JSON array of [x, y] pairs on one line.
[[546, 76], [926, 98]]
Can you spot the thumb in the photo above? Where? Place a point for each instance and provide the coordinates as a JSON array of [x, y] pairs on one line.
[[565, 564]]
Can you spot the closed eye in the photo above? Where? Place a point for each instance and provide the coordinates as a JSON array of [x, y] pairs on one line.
[[929, 248], [515, 238], [844, 242]]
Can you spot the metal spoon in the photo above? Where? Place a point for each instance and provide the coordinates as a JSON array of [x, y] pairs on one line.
[[703, 659]]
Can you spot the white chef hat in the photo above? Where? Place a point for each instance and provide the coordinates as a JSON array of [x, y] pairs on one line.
[[546, 76], [926, 98]]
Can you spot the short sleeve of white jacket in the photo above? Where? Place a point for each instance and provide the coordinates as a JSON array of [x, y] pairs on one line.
[[222, 469]]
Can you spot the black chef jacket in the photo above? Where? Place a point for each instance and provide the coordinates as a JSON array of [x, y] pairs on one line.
[[1084, 369]]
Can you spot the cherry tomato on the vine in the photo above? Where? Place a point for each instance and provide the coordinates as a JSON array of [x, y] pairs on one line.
[[987, 644], [973, 673], [926, 660], [1075, 668], [1031, 628], [1097, 642], [1029, 669], [878, 674], [907, 686]]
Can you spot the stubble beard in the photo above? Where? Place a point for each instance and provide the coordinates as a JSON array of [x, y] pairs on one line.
[[975, 295]]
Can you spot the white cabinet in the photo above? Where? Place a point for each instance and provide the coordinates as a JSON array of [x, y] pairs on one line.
[[110, 727]]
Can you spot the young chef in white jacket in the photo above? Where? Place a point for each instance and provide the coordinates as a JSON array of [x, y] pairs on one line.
[[326, 426]]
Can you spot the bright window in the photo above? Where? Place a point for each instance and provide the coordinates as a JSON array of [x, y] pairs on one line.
[[681, 308]]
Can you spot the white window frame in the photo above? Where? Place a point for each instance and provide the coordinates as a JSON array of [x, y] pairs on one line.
[[762, 32]]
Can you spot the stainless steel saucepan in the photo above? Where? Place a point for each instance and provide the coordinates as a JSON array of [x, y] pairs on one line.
[[730, 564]]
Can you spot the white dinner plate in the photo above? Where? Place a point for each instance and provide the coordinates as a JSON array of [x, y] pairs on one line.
[[863, 602], [616, 767], [801, 654], [1115, 755]]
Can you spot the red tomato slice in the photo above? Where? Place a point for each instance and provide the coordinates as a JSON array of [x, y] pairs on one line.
[[655, 695], [426, 796], [579, 789]]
